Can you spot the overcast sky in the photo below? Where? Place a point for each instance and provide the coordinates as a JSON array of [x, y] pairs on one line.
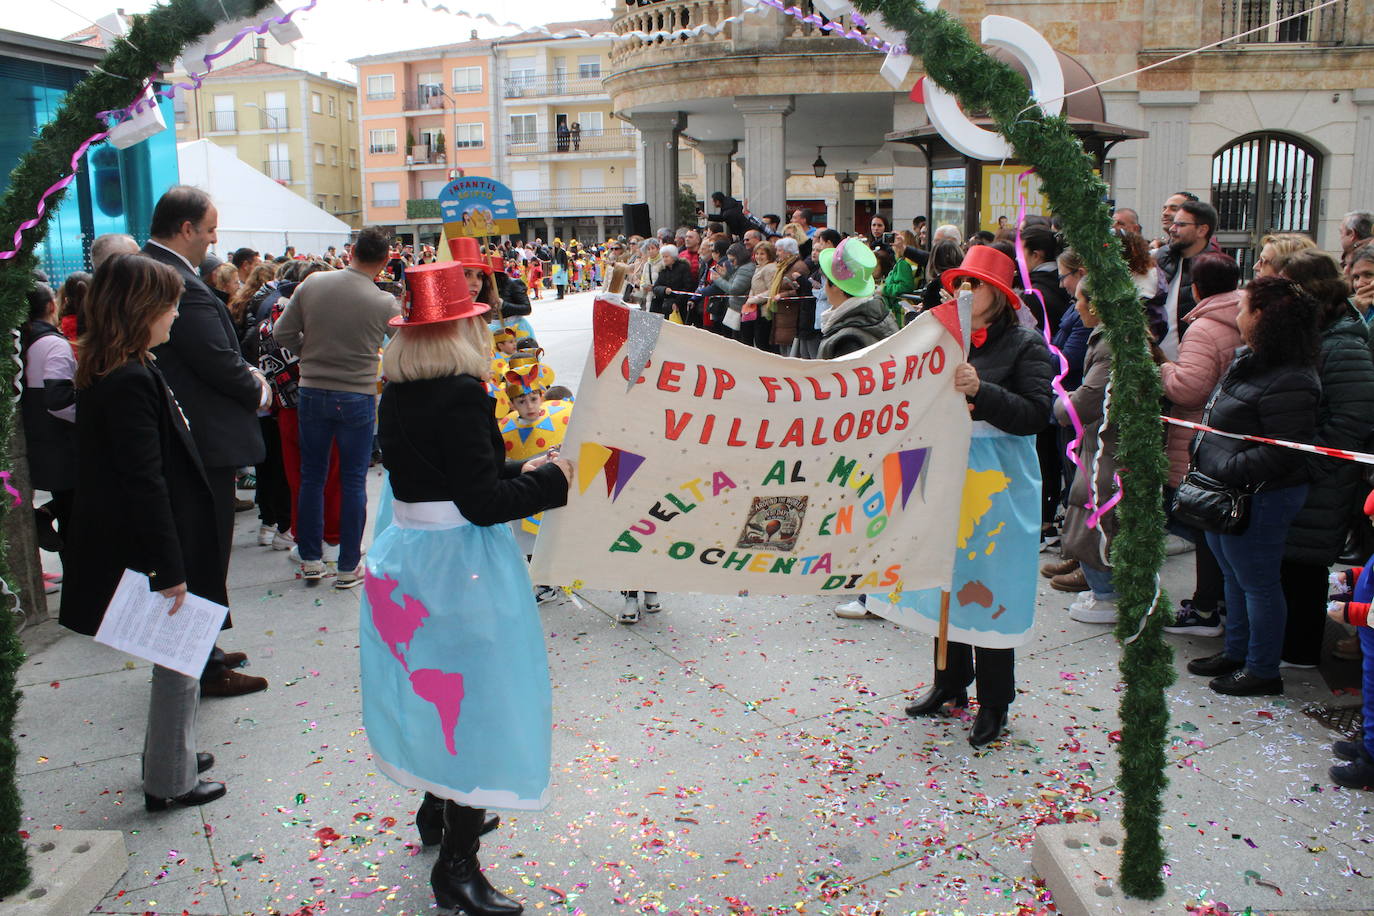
[[336, 30]]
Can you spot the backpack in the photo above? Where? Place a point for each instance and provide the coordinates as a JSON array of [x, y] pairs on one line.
[[281, 366]]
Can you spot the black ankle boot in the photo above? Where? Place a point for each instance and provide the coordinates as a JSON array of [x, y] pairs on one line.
[[429, 820], [935, 700], [987, 725], [457, 877]]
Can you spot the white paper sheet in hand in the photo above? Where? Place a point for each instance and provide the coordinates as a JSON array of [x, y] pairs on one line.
[[137, 622]]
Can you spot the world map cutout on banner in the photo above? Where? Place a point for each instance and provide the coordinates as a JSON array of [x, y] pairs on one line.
[[724, 469]]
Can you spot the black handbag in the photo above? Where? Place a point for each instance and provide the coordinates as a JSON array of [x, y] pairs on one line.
[[1206, 503]]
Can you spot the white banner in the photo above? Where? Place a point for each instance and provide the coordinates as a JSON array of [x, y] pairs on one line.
[[725, 469]]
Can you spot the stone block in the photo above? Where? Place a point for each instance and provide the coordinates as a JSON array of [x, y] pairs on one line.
[[1080, 864], [73, 870]]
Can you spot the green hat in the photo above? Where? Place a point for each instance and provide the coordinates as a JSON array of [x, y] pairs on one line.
[[849, 265]]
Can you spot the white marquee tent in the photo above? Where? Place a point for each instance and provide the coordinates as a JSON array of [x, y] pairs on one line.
[[254, 210]]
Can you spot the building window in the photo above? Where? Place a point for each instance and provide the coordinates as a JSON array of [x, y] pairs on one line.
[[333, 155], [520, 77], [333, 110], [467, 79], [379, 87], [348, 110], [319, 154], [316, 103], [381, 141], [429, 190], [1261, 184], [467, 136], [352, 157], [589, 67], [430, 89], [386, 193], [686, 162], [222, 118], [322, 201], [336, 203], [278, 163], [523, 129]]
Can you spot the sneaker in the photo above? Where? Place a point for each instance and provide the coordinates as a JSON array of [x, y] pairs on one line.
[[1356, 775], [1093, 610], [243, 505], [1070, 582], [853, 610], [648, 602], [1298, 665], [312, 571], [265, 535], [1244, 684], [350, 579], [630, 612], [330, 554], [283, 540], [543, 594], [247, 482], [1189, 621], [1175, 545], [1351, 750], [1058, 567], [1214, 665]]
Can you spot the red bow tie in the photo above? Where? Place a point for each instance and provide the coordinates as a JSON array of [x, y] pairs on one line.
[[979, 337]]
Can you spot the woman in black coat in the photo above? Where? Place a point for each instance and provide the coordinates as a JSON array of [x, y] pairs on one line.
[[1270, 390], [48, 406], [1345, 419], [142, 502]]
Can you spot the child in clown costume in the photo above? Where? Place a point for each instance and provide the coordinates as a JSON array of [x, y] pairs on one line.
[[455, 688], [1351, 604], [534, 427]]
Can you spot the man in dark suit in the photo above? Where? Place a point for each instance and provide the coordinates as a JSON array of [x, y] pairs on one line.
[[216, 388]]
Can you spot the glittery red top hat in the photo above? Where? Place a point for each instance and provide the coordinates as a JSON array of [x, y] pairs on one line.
[[987, 264], [467, 252], [434, 293]]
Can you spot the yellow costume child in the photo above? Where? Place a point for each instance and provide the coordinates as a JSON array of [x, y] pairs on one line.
[[535, 426]]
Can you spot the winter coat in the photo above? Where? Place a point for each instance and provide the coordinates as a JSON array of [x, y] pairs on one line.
[[47, 406], [1258, 399], [1072, 341], [1203, 356], [1045, 280], [142, 499], [856, 323], [671, 286], [732, 215], [730, 291], [1096, 452], [1345, 419], [1015, 369]]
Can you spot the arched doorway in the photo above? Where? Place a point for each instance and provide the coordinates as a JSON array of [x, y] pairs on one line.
[[1264, 183]]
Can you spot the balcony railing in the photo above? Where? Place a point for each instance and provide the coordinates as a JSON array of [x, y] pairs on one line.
[[223, 120], [584, 201], [524, 87], [380, 95], [381, 149], [610, 140], [277, 169], [1325, 26], [675, 15], [425, 98], [273, 118], [418, 155]]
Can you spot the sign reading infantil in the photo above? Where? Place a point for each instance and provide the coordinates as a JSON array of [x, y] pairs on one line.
[[721, 468]]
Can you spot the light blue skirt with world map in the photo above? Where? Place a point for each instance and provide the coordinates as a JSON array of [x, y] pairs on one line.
[[455, 679]]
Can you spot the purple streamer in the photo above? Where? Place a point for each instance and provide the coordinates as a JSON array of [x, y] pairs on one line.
[[122, 114], [1095, 511]]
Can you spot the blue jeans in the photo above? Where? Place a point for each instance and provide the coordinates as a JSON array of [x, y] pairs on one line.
[[1100, 581], [1256, 612], [327, 417]]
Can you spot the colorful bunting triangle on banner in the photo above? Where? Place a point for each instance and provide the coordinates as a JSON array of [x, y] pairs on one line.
[[590, 460], [610, 328]]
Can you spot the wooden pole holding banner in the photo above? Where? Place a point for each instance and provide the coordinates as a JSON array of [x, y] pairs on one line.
[[942, 638], [615, 284], [964, 304]]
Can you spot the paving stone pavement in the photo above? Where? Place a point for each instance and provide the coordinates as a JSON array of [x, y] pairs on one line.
[[726, 756]]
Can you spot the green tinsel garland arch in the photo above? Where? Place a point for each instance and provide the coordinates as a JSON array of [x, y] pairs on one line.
[[953, 60], [153, 42]]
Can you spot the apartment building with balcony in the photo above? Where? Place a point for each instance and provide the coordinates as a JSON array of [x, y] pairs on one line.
[[426, 116], [1275, 127], [299, 128], [569, 162]]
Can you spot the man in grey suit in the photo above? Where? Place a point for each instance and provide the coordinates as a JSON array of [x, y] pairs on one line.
[[218, 390]]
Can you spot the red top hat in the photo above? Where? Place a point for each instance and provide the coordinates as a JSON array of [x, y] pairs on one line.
[[434, 293], [987, 264], [498, 263], [467, 252]]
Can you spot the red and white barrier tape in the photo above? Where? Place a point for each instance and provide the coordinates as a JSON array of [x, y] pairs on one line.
[[1344, 454]]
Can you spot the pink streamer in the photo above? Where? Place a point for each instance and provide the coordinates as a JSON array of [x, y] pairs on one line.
[[122, 114], [1095, 511], [5, 477]]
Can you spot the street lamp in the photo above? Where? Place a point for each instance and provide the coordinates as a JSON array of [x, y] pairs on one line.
[[846, 180], [265, 113], [819, 165]]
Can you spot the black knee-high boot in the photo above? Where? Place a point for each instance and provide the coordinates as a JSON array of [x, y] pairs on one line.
[[429, 820], [457, 878]]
